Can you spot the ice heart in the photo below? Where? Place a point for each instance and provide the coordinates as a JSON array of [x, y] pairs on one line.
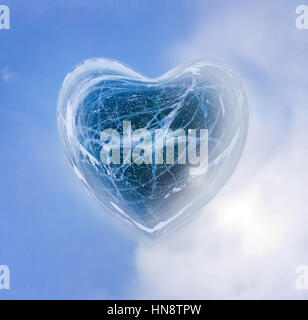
[[153, 151]]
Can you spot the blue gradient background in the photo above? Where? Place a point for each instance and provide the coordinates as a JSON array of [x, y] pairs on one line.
[[52, 237]]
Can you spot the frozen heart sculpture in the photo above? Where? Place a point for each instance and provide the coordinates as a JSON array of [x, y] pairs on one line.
[[153, 151]]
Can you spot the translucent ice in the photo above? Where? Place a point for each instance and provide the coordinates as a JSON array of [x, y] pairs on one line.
[[101, 94]]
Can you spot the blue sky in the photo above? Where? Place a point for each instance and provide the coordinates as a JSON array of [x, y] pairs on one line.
[[55, 241], [54, 237]]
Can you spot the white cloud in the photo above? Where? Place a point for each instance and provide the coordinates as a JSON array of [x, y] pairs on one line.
[[248, 241], [6, 74]]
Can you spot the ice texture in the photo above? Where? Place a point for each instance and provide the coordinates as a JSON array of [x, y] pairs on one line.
[[101, 93]]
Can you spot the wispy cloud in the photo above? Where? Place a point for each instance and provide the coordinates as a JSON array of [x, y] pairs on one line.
[[247, 242], [6, 74]]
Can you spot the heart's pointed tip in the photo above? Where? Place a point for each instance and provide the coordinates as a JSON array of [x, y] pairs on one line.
[[152, 236]]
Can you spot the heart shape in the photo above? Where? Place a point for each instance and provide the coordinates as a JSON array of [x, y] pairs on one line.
[[153, 151]]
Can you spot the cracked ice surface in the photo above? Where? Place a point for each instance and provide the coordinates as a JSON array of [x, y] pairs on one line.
[[100, 94]]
